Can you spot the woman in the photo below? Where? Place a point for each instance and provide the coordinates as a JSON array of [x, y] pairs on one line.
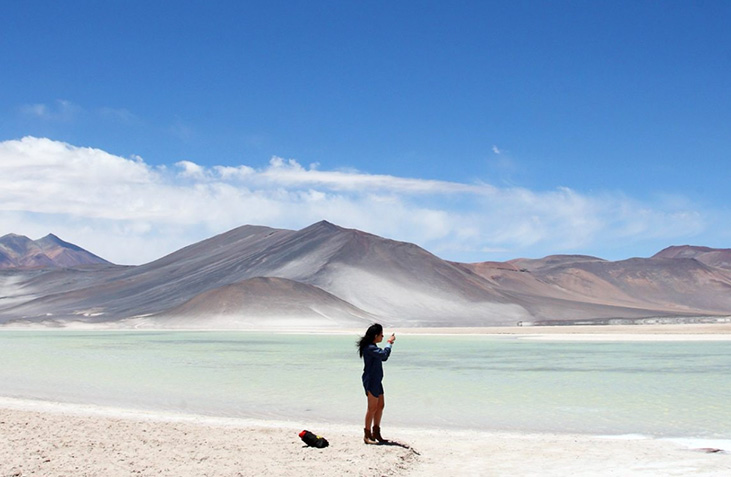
[[373, 358]]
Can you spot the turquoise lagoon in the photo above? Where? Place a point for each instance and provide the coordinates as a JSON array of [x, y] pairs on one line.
[[659, 389]]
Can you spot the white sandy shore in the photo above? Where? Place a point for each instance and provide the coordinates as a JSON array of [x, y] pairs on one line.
[[640, 332], [653, 332], [47, 439], [665, 332]]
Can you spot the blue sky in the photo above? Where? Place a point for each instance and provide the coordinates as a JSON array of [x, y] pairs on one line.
[[479, 130]]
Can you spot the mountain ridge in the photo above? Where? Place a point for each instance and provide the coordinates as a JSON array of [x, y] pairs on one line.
[[716, 257], [325, 275], [20, 252]]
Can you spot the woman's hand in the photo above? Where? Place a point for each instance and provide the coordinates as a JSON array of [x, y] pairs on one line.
[[392, 338]]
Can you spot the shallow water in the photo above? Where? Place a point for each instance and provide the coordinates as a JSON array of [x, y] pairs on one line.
[[660, 389]]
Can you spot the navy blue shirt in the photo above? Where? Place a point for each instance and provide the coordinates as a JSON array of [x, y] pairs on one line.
[[373, 358]]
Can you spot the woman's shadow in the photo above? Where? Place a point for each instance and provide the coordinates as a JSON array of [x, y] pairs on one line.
[[397, 444]]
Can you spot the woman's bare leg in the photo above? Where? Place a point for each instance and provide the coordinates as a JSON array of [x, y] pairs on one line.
[[381, 403], [372, 411]]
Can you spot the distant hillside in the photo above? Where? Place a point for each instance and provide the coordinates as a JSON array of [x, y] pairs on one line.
[[567, 287], [326, 276], [392, 281], [715, 257], [274, 302], [20, 252]]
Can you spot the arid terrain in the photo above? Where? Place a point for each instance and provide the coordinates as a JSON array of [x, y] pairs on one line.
[[325, 276]]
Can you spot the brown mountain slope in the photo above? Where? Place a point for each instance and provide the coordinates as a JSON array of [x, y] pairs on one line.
[[329, 274], [264, 302], [714, 257], [560, 287], [20, 252], [397, 280], [394, 281]]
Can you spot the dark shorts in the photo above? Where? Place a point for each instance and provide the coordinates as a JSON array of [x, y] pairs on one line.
[[375, 389]]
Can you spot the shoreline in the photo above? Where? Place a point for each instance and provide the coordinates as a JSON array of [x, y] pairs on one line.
[[649, 332], [56, 439], [640, 332], [173, 416]]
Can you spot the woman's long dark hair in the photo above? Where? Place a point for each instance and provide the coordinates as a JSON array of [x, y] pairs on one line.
[[370, 336]]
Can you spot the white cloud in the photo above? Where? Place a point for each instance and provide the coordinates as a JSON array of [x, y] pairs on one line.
[[290, 173], [120, 115], [234, 173], [59, 110], [37, 110], [130, 212], [191, 170]]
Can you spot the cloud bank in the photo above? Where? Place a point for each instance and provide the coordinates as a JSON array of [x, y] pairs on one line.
[[130, 212]]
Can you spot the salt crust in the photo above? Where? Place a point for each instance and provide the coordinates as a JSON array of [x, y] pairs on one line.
[[51, 439]]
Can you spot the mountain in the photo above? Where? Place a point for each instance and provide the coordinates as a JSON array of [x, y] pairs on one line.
[[395, 282], [20, 252], [326, 276], [272, 302], [714, 257], [588, 288]]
